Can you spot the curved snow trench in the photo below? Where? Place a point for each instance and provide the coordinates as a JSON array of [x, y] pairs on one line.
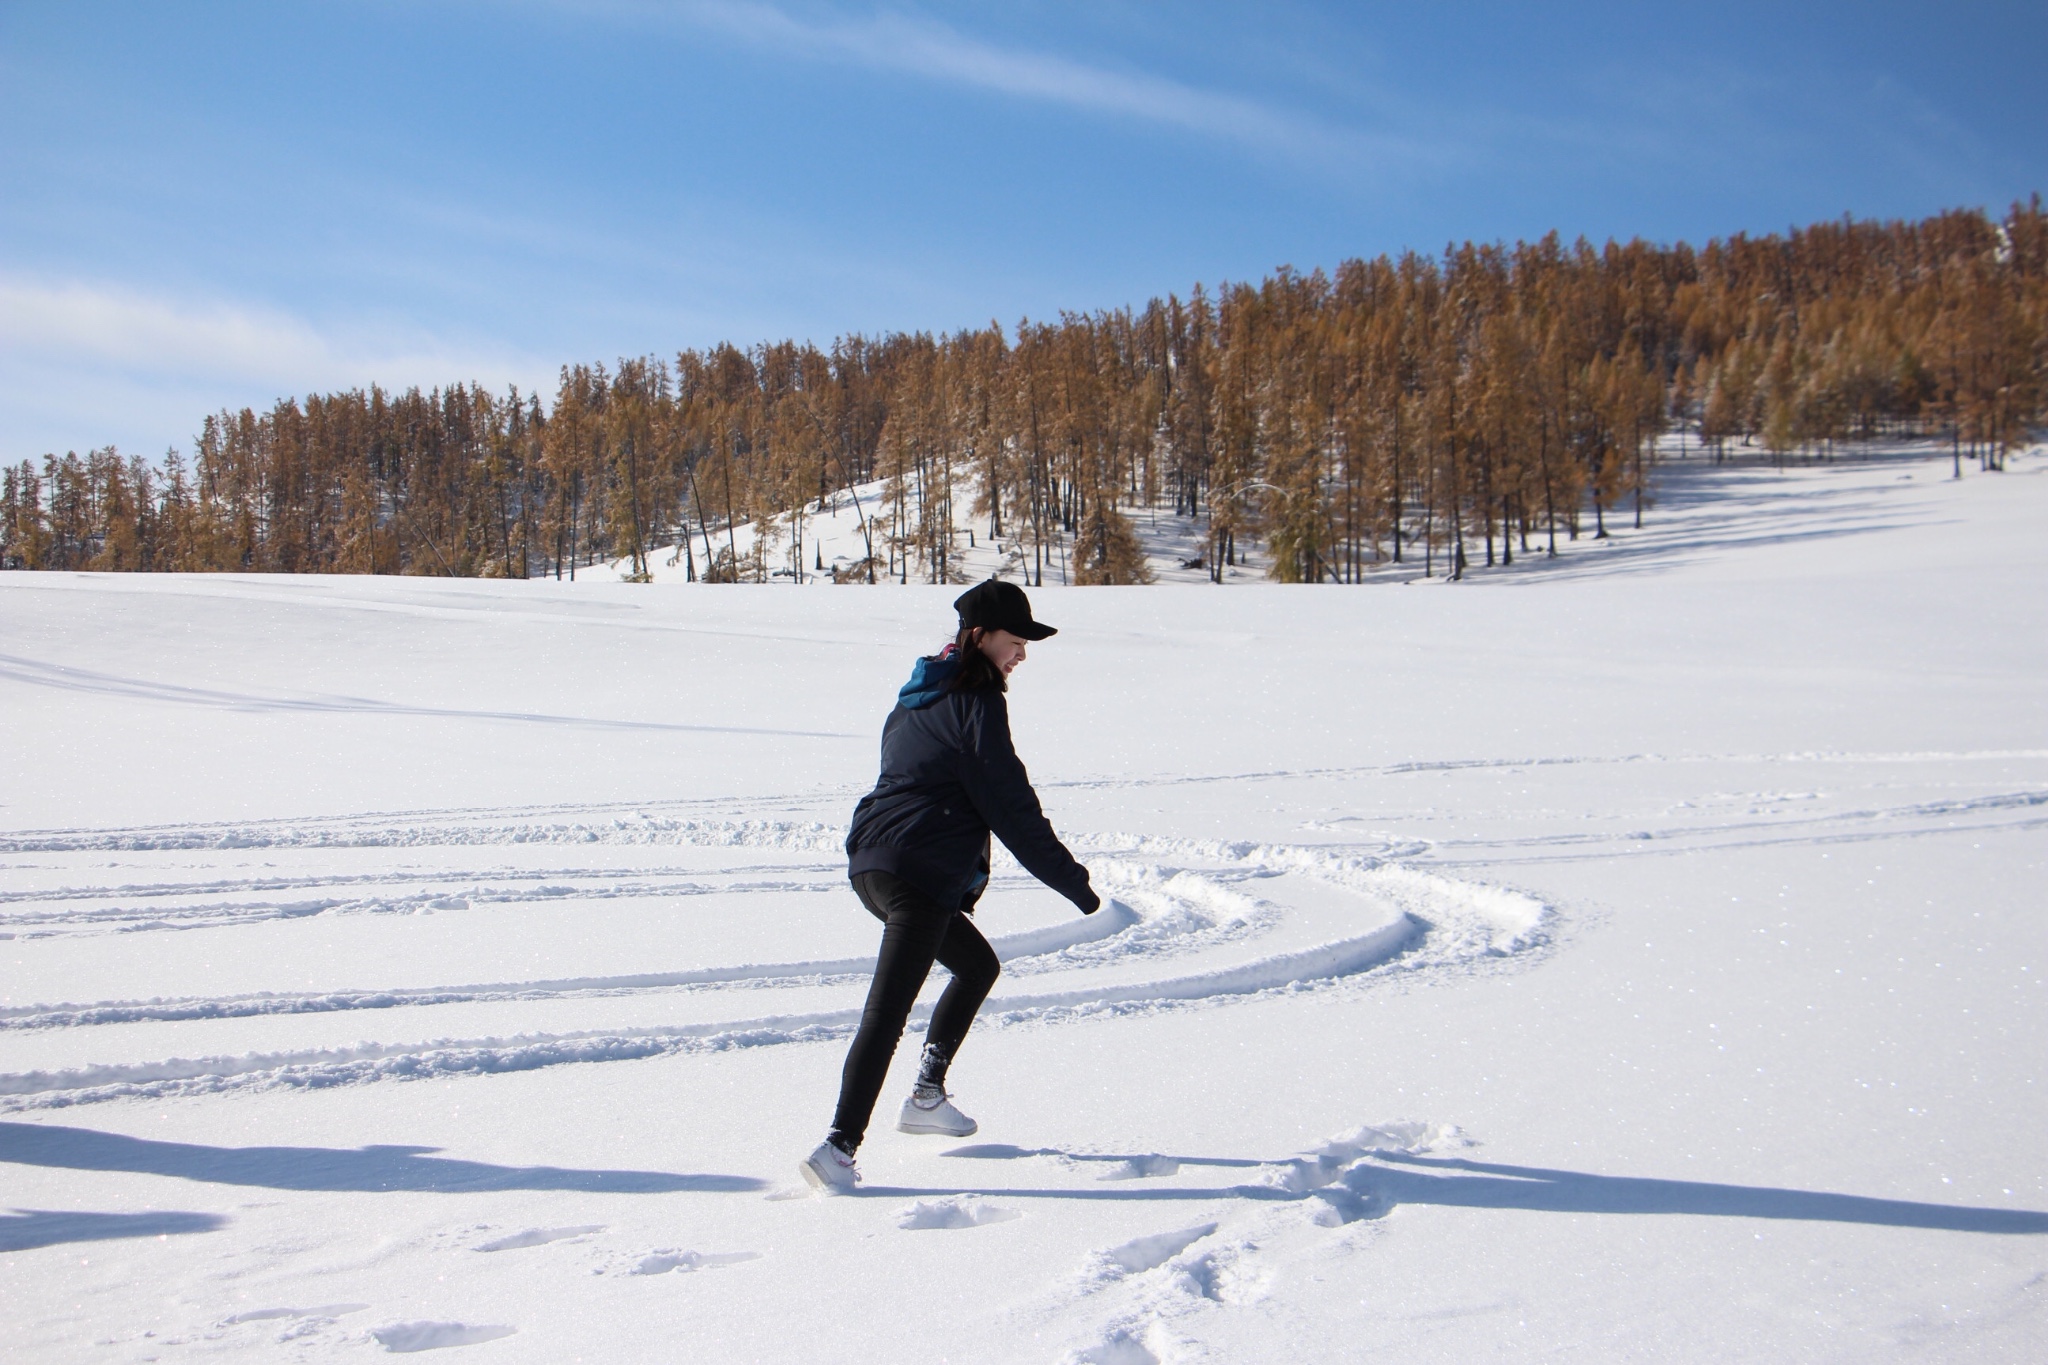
[[1184, 923]]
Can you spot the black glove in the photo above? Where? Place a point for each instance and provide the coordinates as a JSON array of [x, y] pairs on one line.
[[1091, 904]]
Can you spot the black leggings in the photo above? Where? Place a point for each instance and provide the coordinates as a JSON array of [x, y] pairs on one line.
[[915, 933]]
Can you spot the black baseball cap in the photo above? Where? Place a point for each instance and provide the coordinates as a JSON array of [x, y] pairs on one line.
[[996, 605]]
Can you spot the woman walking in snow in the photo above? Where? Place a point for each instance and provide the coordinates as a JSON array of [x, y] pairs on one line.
[[918, 857]]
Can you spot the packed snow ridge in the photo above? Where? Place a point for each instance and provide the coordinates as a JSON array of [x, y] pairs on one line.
[[1206, 908]]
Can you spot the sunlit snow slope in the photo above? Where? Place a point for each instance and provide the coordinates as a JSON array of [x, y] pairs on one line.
[[1637, 956]]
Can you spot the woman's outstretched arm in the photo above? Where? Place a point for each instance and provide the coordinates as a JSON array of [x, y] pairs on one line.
[[996, 782]]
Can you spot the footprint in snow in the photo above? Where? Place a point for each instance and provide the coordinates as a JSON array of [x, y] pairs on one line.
[[1142, 1168], [1141, 1254], [663, 1261], [1126, 1345], [1349, 1201], [325, 1310], [534, 1237], [959, 1212], [402, 1337], [1226, 1275], [299, 1322]]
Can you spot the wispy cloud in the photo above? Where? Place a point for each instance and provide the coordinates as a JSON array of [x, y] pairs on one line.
[[85, 364], [917, 45], [113, 327], [119, 327]]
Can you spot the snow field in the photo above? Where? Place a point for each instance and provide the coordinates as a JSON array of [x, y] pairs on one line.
[[1639, 957], [1169, 934]]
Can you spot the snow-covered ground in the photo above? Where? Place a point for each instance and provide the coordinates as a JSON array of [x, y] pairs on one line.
[[831, 540], [1632, 957]]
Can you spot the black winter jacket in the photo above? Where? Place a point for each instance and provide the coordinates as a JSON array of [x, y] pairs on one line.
[[950, 778]]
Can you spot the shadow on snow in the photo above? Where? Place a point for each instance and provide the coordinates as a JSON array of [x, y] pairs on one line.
[[1370, 1191], [26, 1229], [362, 1169], [1364, 1190]]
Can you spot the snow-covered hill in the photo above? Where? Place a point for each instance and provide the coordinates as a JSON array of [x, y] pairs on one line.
[[1631, 956], [1694, 504], [835, 537]]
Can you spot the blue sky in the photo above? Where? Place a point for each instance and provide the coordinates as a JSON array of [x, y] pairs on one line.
[[214, 205]]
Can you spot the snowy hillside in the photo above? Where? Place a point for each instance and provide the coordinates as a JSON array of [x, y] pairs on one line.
[[1632, 956], [831, 541], [836, 536]]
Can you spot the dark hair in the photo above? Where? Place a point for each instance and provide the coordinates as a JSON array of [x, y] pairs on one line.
[[976, 672]]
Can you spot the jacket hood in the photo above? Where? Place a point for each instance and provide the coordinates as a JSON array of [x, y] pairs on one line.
[[929, 678]]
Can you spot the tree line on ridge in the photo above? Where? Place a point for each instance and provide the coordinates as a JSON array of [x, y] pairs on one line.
[[1457, 410]]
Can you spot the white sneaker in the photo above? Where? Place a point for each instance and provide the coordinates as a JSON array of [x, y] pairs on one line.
[[829, 1169], [934, 1114]]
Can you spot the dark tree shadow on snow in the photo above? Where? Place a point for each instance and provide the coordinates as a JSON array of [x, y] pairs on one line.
[[1371, 1189], [364, 1169], [26, 1229]]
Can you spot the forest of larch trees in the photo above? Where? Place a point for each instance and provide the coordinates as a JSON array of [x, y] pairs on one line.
[[1451, 412]]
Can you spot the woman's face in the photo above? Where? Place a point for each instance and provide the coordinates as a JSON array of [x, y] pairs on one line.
[[1003, 649]]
